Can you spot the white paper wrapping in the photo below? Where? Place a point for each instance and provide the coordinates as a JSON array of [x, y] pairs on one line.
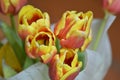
[[98, 62]]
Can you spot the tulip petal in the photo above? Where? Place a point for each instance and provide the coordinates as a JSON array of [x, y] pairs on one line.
[[42, 45], [65, 66], [113, 6], [11, 6], [72, 42], [31, 20], [73, 29]]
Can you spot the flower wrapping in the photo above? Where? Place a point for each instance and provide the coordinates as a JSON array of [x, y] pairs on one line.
[[98, 61]]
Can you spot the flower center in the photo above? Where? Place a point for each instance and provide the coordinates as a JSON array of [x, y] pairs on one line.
[[42, 39], [34, 18], [69, 58]]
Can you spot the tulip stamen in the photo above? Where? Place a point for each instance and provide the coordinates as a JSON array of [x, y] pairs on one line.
[[43, 39]]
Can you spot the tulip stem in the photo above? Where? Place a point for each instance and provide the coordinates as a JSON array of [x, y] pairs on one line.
[[100, 31], [28, 62], [1, 44], [57, 45], [12, 19]]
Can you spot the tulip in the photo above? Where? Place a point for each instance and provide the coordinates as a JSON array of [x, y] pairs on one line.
[[11, 6], [86, 42], [30, 20], [65, 66], [42, 45], [73, 29], [112, 6]]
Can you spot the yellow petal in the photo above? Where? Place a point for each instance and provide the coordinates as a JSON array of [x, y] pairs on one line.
[[87, 41], [69, 73], [24, 10], [7, 53], [75, 61]]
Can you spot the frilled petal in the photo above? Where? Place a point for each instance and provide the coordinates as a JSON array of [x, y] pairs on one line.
[[65, 66], [41, 45], [31, 20], [87, 42], [73, 28]]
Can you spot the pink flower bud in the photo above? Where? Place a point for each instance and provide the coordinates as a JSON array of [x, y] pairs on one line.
[[11, 6], [65, 66], [112, 6]]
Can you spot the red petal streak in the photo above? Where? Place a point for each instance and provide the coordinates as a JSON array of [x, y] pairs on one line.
[[31, 52], [63, 32], [72, 42], [53, 69]]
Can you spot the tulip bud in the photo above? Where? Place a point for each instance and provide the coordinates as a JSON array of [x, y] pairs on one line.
[[41, 45], [30, 20], [11, 6], [65, 66], [112, 6], [73, 29]]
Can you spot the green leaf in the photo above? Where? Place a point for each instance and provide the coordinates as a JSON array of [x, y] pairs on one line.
[[1, 44], [82, 57], [28, 62], [14, 41], [57, 44], [7, 70]]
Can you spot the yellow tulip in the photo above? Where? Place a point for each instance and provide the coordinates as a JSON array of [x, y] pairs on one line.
[[73, 29], [42, 45], [31, 20], [65, 66]]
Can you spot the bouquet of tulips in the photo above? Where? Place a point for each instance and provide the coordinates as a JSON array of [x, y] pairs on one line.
[[61, 48]]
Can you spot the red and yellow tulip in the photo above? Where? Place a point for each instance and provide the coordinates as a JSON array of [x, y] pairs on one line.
[[11, 6], [73, 29], [30, 20], [42, 45], [65, 66]]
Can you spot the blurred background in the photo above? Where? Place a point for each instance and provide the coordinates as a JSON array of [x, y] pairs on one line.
[[55, 8]]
